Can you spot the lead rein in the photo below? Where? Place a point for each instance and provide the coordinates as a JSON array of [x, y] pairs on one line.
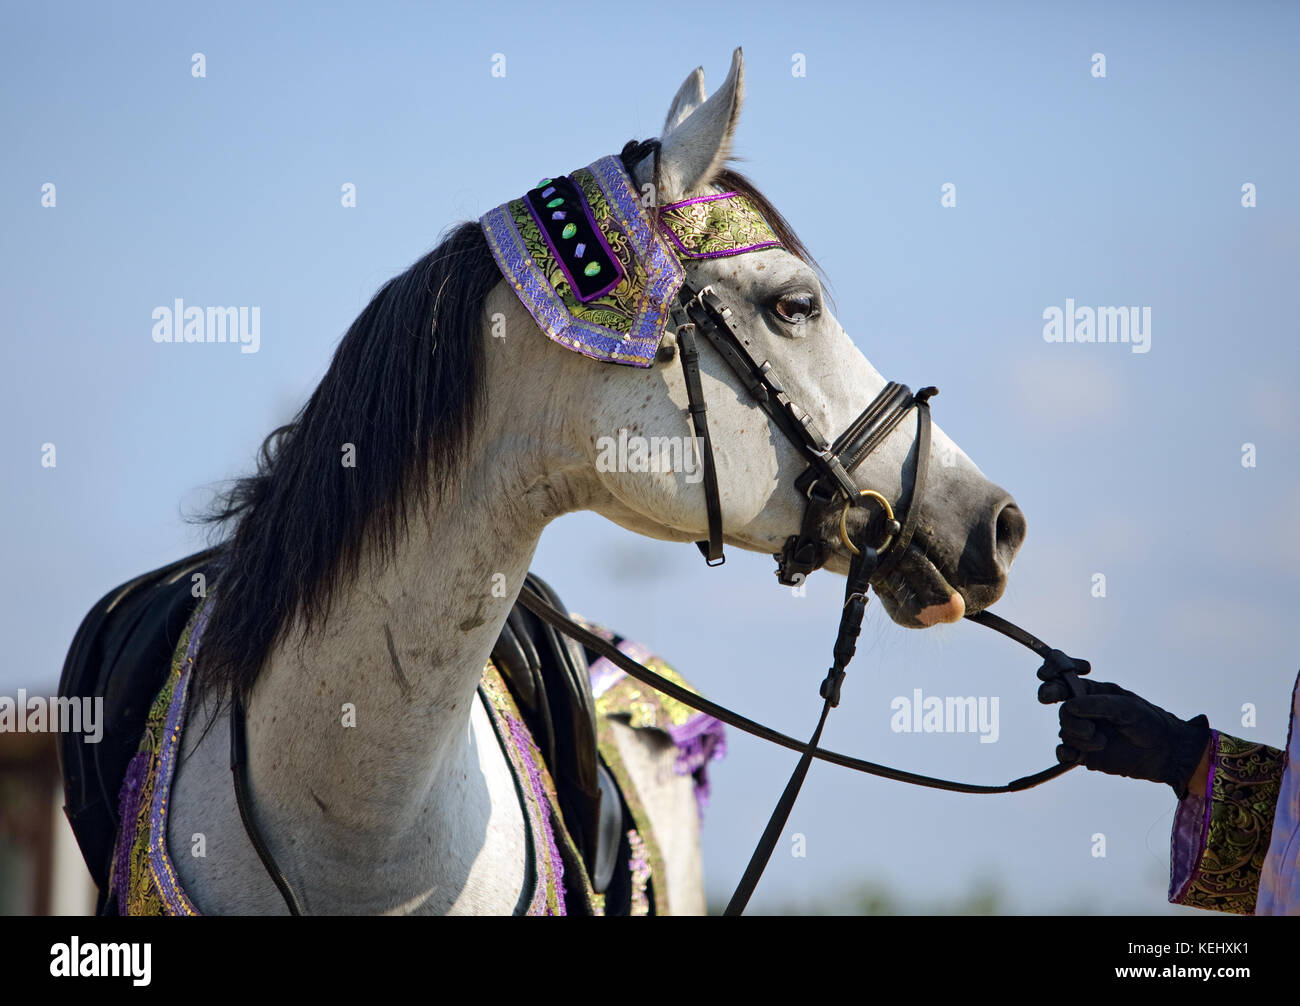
[[561, 621]]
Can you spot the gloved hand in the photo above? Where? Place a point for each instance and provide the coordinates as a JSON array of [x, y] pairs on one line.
[[1109, 729]]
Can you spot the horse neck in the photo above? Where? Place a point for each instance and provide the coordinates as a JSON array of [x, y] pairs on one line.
[[406, 640]]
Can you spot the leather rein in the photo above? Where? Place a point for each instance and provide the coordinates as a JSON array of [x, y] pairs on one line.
[[827, 484]]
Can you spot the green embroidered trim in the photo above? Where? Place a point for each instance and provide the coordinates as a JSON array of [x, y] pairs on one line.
[[616, 310], [647, 863], [144, 896], [543, 811], [1244, 793], [717, 227], [642, 707]]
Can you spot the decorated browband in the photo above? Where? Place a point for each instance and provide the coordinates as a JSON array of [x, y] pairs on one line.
[[584, 257]]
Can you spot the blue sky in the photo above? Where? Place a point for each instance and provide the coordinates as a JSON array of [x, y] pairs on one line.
[[1117, 191]]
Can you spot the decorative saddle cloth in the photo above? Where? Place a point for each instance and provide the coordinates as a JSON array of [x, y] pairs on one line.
[[144, 879], [597, 271]]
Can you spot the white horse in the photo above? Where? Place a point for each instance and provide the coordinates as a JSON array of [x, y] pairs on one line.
[[376, 588]]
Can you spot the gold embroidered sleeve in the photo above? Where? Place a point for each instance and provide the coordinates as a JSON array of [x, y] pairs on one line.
[[1221, 837]]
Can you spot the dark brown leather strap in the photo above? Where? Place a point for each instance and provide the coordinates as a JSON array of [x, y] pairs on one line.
[[690, 354], [239, 769], [698, 702], [911, 507]]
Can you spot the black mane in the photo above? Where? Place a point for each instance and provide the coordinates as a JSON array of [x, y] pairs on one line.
[[403, 388]]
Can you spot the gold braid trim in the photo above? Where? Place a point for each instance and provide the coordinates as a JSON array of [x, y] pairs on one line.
[[1243, 801]]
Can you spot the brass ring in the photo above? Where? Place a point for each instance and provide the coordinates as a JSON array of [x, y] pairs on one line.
[[844, 531]]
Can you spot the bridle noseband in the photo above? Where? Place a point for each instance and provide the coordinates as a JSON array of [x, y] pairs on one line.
[[827, 483], [828, 479]]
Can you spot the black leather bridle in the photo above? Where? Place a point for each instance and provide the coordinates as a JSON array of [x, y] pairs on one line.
[[828, 479], [827, 483]]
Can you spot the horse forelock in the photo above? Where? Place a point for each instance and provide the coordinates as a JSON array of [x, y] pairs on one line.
[[728, 180]]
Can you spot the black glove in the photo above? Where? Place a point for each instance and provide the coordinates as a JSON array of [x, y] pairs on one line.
[[1111, 730]]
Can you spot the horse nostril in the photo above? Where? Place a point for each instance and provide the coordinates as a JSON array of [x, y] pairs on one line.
[[1009, 534]]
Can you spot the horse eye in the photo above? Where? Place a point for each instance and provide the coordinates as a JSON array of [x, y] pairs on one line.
[[796, 308]]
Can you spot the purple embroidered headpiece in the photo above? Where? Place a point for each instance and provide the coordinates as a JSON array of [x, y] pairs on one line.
[[583, 256]]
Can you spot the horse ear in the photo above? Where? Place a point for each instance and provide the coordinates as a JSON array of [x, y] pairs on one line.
[[690, 96], [695, 148]]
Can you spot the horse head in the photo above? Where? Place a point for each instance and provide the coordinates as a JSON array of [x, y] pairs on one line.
[[627, 423]]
